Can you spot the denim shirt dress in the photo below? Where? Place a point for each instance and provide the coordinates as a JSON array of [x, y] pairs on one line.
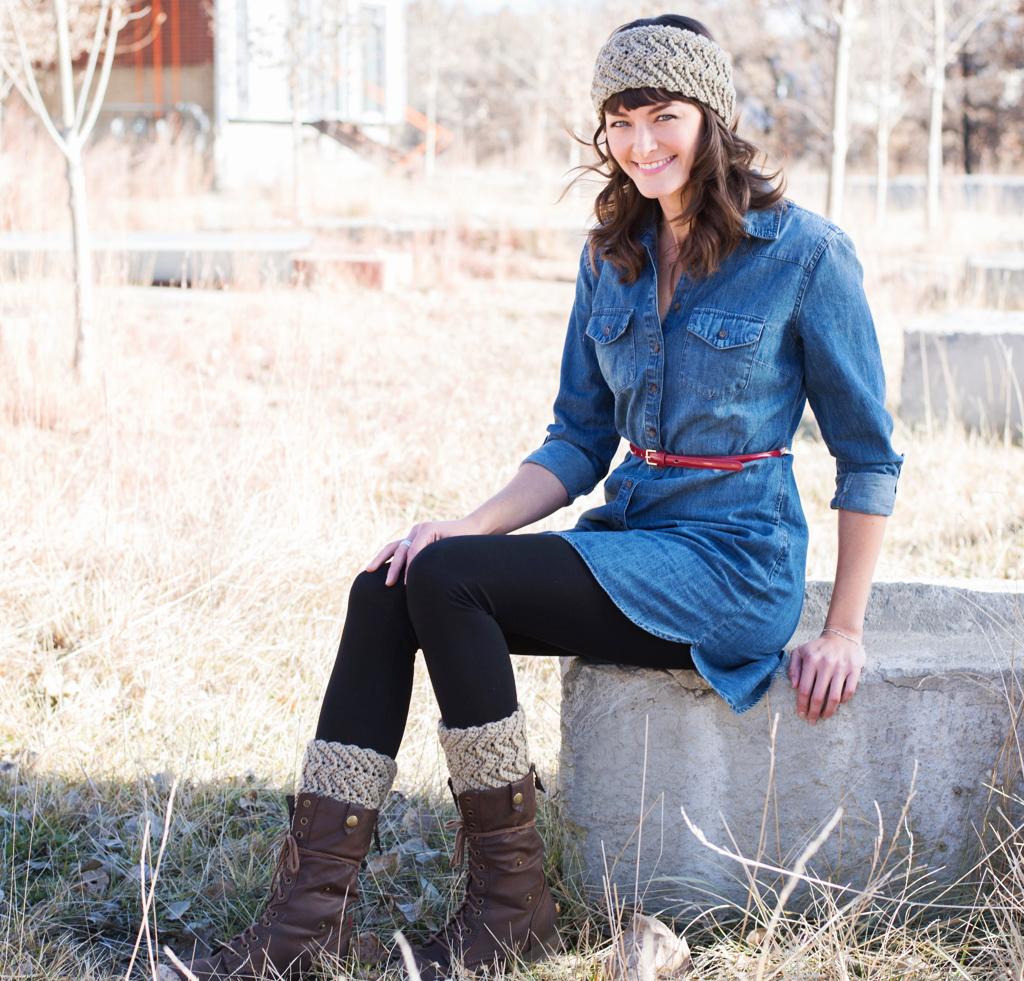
[[716, 558]]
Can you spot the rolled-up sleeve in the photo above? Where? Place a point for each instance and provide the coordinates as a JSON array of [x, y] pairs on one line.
[[845, 381], [582, 439]]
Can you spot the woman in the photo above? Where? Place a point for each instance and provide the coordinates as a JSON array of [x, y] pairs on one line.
[[708, 308]]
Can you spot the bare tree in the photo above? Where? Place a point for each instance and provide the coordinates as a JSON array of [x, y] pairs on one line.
[[6, 85], [845, 18], [948, 30], [35, 42], [890, 85]]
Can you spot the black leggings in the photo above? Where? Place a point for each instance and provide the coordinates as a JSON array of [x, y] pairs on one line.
[[469, 602]]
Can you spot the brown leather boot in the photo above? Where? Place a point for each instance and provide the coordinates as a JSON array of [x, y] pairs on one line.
[[311, 894], [508, 910]]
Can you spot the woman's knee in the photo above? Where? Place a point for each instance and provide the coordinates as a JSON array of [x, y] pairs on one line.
[[370, 592], [437, 572]]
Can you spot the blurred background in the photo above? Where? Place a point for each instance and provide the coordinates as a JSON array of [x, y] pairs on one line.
[[279, 280]]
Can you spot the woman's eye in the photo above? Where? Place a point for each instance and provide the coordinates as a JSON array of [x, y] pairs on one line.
[[666, 115]]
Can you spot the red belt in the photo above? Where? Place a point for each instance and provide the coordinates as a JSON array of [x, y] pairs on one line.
[[659, 458]]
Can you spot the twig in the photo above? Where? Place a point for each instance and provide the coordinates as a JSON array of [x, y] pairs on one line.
[[790, 885], [147, 899], [407, 958]]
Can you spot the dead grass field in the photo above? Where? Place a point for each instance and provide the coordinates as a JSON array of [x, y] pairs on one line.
[[176, 554]]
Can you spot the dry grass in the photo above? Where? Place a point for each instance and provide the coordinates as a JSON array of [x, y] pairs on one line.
[[173, 578]]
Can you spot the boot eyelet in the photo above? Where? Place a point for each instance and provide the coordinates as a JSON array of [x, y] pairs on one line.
[[323, 925], [327, 888], [481, 867], [298, 834], [288, 879], [306, 802], [478, 912], [529, 898], [519, 861], [303, 820], [273, 912]]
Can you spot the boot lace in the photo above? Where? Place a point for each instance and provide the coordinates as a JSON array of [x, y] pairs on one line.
[[285, 870], [459, 924]]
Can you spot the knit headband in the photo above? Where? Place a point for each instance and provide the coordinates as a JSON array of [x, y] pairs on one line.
[[670, 57]]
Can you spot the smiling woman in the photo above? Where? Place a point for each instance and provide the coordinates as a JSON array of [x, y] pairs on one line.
[[665, 143], [708, 310]]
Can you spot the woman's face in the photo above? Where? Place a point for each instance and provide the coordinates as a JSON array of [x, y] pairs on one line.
[[665, 135]]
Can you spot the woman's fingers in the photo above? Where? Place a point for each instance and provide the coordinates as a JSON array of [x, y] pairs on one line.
[[400, 558], [852, 680], [822, 682], [381, 556]]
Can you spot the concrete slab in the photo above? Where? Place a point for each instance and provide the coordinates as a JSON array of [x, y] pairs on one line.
[[936, 713], [968, 366], [996, 280]]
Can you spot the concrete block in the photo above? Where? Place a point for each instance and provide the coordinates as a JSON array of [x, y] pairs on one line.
[[388, 271], [966, 365], [996, 280], [935, 713]]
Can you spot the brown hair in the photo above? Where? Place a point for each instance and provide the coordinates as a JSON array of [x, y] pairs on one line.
[[722, 185]]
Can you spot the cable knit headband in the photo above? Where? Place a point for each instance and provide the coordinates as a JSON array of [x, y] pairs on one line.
[[670, 57]]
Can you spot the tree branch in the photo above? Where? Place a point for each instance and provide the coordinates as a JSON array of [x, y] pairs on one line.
[[32, 96], [12, 80], [118, 20], [809, 114], [67, 87], [90, 68], [970, 25]]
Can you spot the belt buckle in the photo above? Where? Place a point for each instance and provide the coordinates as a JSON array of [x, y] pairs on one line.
[[647, 458]]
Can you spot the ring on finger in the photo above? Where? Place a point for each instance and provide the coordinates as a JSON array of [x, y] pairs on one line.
[[406, 542]]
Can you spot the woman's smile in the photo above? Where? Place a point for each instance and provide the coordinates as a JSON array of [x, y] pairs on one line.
[[654, 166]]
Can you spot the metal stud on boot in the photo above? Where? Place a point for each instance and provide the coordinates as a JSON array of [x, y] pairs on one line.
[[311, 894], [508, 912]]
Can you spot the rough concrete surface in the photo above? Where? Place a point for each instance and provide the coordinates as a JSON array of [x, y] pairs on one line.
[[997, 280], [940, 693], [968, 366]]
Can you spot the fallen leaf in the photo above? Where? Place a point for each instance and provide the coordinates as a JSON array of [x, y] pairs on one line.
[[220, 889], [384, 864], [177, 909], [649, 950], [248, 800], [431, 895], [368, 949], [412, 846], [412, 911], [421, 823], [94, 880]]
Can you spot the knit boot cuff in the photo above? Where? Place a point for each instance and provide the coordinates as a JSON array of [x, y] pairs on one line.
[[347, 773], [492, 755]]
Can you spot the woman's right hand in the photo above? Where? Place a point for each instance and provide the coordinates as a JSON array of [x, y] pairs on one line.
[[420, 536]]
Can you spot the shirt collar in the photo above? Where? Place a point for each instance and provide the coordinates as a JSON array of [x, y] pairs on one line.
[[759, 224]]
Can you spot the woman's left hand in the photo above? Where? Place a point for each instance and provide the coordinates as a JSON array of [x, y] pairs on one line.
[[825, 672]]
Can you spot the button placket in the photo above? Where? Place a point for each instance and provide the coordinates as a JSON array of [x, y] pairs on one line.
[[626, 489], [653, 386]]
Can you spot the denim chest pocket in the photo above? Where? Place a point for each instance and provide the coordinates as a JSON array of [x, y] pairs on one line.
[[718, 351], [614, 337]]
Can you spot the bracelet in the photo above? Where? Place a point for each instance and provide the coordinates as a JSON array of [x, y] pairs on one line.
[[841, 634]]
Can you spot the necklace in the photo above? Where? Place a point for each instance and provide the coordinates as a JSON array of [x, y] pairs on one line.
[[669, 264]]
